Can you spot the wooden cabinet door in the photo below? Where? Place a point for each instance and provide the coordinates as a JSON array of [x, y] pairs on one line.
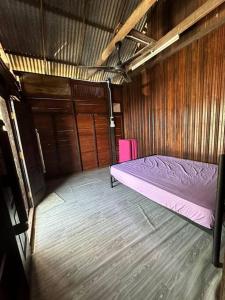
[[102, 140], [59, 143], [67, 143], [88, 149], [30, 149]]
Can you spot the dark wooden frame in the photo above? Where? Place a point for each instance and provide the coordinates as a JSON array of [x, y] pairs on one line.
[[13, 179], [216, 231]]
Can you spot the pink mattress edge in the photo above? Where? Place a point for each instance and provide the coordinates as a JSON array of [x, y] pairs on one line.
[[192, 211]]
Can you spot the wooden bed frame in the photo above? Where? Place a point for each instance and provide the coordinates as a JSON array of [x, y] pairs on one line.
[[219, 210]]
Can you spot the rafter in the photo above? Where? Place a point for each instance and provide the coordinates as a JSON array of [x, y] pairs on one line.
[[135, 35], [130, 23], [140, 37]]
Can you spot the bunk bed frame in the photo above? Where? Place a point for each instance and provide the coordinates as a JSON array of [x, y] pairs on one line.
[[216, 231]]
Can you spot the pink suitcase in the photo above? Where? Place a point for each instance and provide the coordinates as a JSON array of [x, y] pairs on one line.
[[127, 149], [124, 150]]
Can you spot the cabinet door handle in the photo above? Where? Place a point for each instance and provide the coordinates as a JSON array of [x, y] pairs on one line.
[[40, 151]]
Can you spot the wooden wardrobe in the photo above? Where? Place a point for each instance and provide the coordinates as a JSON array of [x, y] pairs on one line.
[[72, 120], [52, 108]]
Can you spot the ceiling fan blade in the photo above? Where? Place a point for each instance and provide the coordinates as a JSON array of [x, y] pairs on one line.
[[114, 71], [103, 68]]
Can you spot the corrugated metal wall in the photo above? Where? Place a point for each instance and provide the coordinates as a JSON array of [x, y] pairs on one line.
[[178, 107]]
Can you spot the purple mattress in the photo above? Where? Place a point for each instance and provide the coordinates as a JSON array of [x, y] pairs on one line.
[[184, 186]]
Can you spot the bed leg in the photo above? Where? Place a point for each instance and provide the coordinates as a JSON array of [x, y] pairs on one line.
[[111, 181], [216, 247], [217, 231]]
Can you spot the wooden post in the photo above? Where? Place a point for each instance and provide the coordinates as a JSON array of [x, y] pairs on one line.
[[219, 211], [112, 123]]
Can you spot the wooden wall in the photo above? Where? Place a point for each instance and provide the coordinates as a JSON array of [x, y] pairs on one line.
[[166, 14], [177, 107]]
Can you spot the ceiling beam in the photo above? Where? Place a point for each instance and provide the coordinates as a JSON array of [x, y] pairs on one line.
[[148, 52], [130, 23], [135, 35], [140, 37]]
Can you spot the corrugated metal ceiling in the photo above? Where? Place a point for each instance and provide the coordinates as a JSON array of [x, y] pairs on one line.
[[75, 33]]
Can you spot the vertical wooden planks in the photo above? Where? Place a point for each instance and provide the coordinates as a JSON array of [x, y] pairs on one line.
[[178, 106], [88, 146]]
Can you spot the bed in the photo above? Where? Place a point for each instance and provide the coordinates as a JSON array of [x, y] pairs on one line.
[[191, 189]]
